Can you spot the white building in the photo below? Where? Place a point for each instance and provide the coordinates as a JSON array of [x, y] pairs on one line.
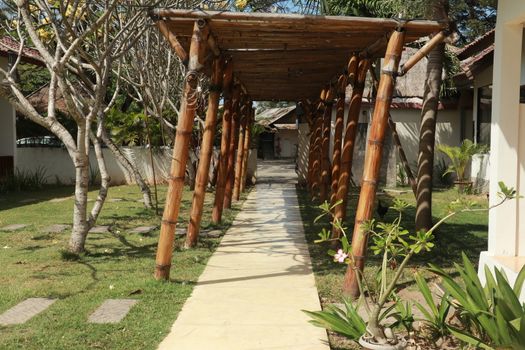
[[506, 243]]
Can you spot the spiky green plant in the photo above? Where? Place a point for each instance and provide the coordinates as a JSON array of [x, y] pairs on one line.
[[460, 156]]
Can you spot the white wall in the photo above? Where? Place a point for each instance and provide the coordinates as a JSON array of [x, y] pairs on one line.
[[7, 124], [288, 142], [408, 121], [58, 165]]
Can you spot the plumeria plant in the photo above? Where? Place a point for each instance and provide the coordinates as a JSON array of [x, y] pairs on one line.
[[396, 246]]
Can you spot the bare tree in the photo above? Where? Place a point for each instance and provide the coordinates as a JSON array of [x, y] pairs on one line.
[[80, 42]]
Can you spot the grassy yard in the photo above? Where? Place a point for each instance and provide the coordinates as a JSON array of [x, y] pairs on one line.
[[117, 265], [465, 232]]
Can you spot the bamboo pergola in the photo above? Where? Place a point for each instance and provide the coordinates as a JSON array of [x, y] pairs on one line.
[[306, 59]]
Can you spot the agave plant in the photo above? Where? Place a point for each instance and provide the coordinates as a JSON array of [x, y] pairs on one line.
[[460, 157]]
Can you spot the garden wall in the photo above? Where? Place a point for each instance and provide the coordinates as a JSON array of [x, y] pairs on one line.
[[59, 168]]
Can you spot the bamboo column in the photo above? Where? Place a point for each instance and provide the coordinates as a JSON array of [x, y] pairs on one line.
[[392, 125], [240, 152], [373, 160], [201, 179], [338, 135], [318, 140], [228, 190], [180, 152], [216, 216], [325, 146], [347, 154], [246, 146]]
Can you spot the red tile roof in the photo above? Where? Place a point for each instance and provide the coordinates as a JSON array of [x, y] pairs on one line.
[[8, 46]]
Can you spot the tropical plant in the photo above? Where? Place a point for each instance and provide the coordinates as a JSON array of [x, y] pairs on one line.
[[436, 312], [493, 317], [460, 157], [396, 246], [346, 322]]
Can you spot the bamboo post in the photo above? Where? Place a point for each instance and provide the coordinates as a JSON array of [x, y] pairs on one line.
[[180, 153], [402, 155], [325, 147], [373, 160], [352, 121], [311, 145], [397, 142], [318, 140], [240, 152], [201, 179], [338, 135], [423, 52], [246, 146], [230, 173], [220, 185]]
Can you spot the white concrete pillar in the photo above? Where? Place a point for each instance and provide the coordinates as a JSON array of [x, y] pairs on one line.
[[503, 221]]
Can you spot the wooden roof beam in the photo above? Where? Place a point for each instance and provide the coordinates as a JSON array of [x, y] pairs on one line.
[[422, 25]]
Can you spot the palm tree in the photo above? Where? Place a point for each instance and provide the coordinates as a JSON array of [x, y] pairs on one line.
[[427, 131]]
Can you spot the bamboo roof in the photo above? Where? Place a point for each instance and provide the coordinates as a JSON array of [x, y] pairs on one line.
[[291, 57]]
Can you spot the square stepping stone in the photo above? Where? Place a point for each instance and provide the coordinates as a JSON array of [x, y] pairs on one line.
[[57, 228], [25, 310], [112, 311], [99, 229], [143, 229], [13, 227]]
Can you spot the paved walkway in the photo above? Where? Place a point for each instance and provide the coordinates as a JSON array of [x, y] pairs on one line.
[[254, 286]]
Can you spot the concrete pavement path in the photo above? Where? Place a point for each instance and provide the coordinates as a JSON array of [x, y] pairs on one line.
[[253, 288]]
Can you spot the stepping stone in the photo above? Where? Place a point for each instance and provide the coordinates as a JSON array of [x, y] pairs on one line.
[[25, 310], [115, 200], [112, 311], [99, 229], [13, 227], [180, 231], [56, 228], [28, 200], [212, 233], [58, 200], [143, 229]]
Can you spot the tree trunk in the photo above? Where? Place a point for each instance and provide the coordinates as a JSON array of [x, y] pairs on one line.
[[104, 176], [125, 162], [427, 131], [80, 223]]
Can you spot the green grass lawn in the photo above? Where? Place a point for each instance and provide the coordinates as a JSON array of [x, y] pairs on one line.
[[465, 232], [117, 265]]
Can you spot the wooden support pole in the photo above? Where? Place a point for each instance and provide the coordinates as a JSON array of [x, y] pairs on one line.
[[216, 216], [311, 145], [402, 155], [423, 52], [240, 152], [338, 136], [206, 152], [246, 148], [397, 142], [173, 41], [180, 153], [234, 134], [318, 140], [325, 147], [352, 122], [372, 164]]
